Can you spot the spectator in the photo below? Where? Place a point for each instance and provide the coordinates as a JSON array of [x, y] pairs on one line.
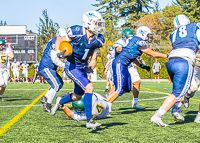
[[36, 65], [156, 70]]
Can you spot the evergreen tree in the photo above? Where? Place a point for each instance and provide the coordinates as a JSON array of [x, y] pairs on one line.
[[156, 7], [191, 8], [47, 29]]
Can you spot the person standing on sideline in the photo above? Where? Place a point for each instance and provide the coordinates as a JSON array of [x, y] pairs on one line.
[[156, 70]]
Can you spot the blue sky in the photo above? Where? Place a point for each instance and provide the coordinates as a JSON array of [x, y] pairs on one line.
[[27, 12]]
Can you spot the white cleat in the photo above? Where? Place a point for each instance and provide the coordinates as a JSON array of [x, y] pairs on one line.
[[92, 124], [156, 118], [178, 117], [57, 106], [137, 106], [197, 119]]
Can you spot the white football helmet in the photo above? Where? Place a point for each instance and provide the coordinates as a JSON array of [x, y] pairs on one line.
[[61, 32], [93, 21], [144, 32], [119, 42], [181, 19]]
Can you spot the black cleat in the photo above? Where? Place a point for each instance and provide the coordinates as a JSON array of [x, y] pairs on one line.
[[47, 107]]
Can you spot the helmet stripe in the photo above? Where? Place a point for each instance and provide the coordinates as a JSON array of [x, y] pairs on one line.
[[177, 21]]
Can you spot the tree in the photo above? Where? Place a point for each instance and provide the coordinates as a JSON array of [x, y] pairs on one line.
[[169, 12], [47, 29], [156, 7], [154, 23], [191, 8]]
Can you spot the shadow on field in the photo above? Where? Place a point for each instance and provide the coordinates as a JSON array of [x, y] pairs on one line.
[[13, 97], [188, 119], [106, 126], [17, 99], [137, 110]]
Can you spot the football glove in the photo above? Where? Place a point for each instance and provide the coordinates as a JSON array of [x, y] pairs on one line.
[[89, 70], [62, 54], [145, 67]]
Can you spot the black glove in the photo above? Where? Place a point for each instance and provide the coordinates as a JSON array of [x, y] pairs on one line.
[[89, 70], [61, 54], [145, 67]]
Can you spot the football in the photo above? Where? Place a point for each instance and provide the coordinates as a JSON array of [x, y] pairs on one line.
[[67, 46]]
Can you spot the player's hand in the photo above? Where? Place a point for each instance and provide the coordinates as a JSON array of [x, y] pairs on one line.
[[145, 67], [61, 54], [89, 70]]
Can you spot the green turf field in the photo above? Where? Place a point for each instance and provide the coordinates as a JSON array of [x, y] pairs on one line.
[[124, 125]]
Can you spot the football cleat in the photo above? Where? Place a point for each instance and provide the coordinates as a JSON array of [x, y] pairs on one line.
[[57, 106], [92, 124], [197, 119], [1, 100], [178, 117], [137, 106], [43, 99], [156, 119], [106, 90], [186, 102], [47, 107]]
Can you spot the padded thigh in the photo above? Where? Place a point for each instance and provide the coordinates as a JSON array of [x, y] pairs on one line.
[[180, 71]]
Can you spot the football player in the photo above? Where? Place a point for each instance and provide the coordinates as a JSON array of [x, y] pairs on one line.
[[6, 53], [86, 41], [134, 47], [108, 70], [15, 70], [24, 68], [100, 108], [36, 65], [135, 77], [185, 40], [47, 68]]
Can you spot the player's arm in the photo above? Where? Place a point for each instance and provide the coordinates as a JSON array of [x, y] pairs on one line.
[[93, 60], [60, 40], [154, 54], [56, 60], [141, 65], [11, 54], [68, 112]]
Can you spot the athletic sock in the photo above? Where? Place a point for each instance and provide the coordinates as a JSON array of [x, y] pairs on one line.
[[88, 105], [135, 100], [180, 104], [161, 111], [107, 87], [198, 113], [175, 108], [67, 98]]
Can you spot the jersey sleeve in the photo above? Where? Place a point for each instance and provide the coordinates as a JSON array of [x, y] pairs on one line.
[[74, 31], [79, 116], [198, 31], [142, 45], [100, 40]]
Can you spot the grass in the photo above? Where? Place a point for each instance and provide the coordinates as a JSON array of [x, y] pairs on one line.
[[124, 125]]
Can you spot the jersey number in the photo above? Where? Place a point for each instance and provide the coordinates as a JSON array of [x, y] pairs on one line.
[[3, 60], [85, 54], [182, 33]]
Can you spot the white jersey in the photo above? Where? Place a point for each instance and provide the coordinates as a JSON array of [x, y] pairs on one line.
[[25, 67], [15, 66], [4, 57], [100, 108]]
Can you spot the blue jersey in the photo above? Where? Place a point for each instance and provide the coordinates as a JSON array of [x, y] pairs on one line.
[[185, 37], [82, 47], [131, 50], [46, 61]]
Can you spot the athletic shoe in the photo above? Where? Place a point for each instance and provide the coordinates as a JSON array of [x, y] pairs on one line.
[[57, 106], [180, 110], [1, 100], [137, 106], [106, 90], [47, 107], [156, 118], [186, 102], [197, 119], [178, 117], [43, 99], [92, 124]]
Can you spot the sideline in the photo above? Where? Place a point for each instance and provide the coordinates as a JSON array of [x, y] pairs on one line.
[[18, 116]]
